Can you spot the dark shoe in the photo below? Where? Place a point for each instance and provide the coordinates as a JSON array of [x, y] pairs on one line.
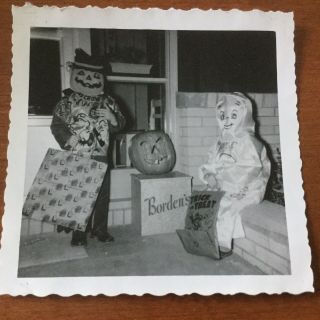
[[224, 252], [102, 235], [62, 228], [79, 238], [67, 229]]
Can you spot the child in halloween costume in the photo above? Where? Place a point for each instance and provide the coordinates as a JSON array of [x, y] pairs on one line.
[[82, 121], [237, 164]]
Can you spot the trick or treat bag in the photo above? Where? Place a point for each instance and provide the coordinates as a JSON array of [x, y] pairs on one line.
[[200, 234], [65, 189]]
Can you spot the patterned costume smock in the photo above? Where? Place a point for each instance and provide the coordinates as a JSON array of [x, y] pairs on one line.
[[75, 115]]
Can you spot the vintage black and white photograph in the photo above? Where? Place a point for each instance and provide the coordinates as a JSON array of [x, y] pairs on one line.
[[153, 152]]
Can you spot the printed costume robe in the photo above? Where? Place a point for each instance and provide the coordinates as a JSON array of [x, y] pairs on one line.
[[241, 167], [74, 115]]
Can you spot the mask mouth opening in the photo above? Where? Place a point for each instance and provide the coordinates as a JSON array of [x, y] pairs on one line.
[[228, 126], [88, 85]]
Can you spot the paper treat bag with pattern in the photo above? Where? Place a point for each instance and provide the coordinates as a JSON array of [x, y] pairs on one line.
[[200, 234], [65, 189]]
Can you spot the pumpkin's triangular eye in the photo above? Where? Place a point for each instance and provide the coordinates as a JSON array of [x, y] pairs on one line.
[[80, 73]]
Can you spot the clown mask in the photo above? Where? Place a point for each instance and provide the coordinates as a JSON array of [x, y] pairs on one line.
[[234, 114], [87, 82]]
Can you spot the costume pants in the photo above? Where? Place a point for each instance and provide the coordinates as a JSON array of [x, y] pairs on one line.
[[229, 223], [99, 217]]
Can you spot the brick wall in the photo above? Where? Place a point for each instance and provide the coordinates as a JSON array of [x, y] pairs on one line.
[[197, 127], [266, 242]]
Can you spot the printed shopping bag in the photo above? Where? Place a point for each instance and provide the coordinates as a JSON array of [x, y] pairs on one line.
[[65, 189], [200, 234]]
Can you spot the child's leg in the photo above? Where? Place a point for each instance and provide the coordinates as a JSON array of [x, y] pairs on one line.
[[99, 223], [229, 224]]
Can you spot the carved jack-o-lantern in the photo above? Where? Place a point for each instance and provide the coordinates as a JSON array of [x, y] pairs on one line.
[[152, 152], [87, 82]]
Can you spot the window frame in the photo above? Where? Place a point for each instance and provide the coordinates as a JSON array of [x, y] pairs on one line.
[[69, 39]]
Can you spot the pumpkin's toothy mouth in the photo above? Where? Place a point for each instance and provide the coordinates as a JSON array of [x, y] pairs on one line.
[[88, 85], [155, 161]]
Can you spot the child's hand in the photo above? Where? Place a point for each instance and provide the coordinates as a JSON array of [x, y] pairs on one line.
[[211, 180], [84, 135], [107, 114], [72, 142]]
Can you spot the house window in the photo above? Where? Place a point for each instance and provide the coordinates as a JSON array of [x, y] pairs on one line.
[[138, 79], [226, 61], [44, 76], [136, 75]]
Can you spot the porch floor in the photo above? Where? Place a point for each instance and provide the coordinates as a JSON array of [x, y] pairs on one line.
[[50, 255]]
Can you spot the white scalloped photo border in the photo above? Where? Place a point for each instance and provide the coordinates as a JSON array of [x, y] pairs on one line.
[[301, 279]]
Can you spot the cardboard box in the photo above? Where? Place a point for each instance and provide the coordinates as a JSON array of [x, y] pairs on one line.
[[159, 202]]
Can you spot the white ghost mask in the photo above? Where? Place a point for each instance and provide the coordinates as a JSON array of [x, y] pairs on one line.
[[234, 115]]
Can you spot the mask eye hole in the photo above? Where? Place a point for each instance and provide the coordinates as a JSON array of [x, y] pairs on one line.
[[234, 115], [97, 75], [221, 115], [81, 73]]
